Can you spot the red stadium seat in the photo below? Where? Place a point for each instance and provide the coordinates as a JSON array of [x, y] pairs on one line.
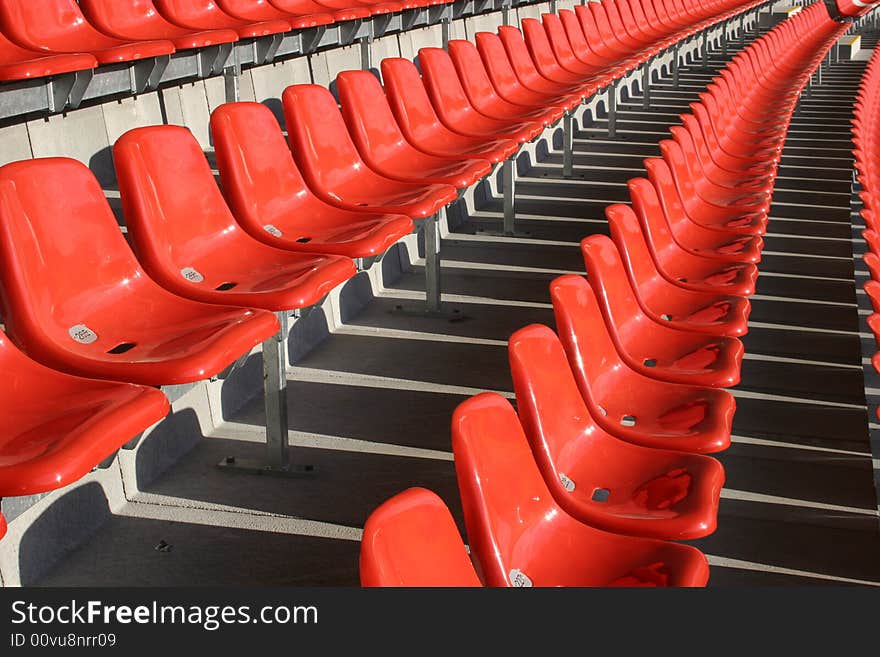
[[206, 15], [455, 110], [58, 26], [561, 47], [18, 63], [271, 201], [654, 349], [262, 11], [58, 427], [518, 534], [383, 146], [82, 304], [419, 122], [187, 240], [602, 481], [313, 6], [625, 403], [334, 169], [411, 540], [528, 74], [662, 300], [139, 20], [546, 62]]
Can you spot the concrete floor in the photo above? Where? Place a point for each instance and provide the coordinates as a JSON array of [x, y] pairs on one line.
[[370, 406]]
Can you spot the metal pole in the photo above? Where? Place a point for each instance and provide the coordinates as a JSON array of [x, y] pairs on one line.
[[275, 390], [646, 85], [509, 191], [724, 39], [705, 49], [567, 145], [612, 110], [231, 77], [675, 53], [444, 31], [432, 263], [366, 54]]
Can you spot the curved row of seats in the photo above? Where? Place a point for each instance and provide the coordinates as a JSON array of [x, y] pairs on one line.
[[207, 270], [866, 137], [41, 38], [621, 405]]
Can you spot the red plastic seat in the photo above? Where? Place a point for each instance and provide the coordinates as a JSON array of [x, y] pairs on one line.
[[600, 480], [702, 273], [662, 300], [58, 26], [383, 146], [548, 65], [313, 6], [507, 84], [412, 540], [75, 298], [139, 20], [263, 10], [625, 403], [18, 63], [655, 349], [333, 168], [206, 15], [712, 241], [455, 110], [561, 48], [3, 525], [270, 199], [420, 124], [58, 427], [187, 240], [482, 95], [520, 536], [586, 51], [528, 75]]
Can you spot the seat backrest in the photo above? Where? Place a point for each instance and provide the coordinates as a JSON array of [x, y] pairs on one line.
[[127, 17], [607, 277], [63, 259], [495, 60], [408, 98], [368, 116], [591, 352], [321, 145], [518, 53], [174, 211], [508, 510], [51, 25], [539, 45], [648, 207], [630, 241], [573, 32], [466, 59], [665, 207], [261, 182], [412, 540], [251, 10], [558, 39], [2, 525], [196, 14], [442, 83]]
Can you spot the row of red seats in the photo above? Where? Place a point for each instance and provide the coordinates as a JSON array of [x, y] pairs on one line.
[[866, 137], [370, 169], [620, 407]]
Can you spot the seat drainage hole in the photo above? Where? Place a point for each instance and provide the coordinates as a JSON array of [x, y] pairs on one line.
[[121, 348], [650, 362], [667, 317], [601, 495], [682, 280], [225, 286], [304, 240], [602, 410], [628, 420]]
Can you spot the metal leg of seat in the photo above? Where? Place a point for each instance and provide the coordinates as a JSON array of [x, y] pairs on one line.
[[432, 263], [724, 29], [444, 32], [612, 111], [646, 85], [366, 54], [508, 182], [567, 145], [277, 458], [705, 50], [675, 54]]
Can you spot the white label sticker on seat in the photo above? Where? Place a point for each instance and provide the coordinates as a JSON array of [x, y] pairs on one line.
[[191, 275], [519, 579], [82, 334], [567, 483], [272, 230]]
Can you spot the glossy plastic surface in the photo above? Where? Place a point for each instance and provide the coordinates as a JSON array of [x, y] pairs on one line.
[[140, 20], [58, 26], [422, 127], [263, 10], [311, 6], [206, 15], [17, 63], [655, 349], [178, 224], [598, 479], [271, 201], [335, 171], [57, 428], [383, 146], [627, 404], [84, 305], [518, 534], [412, 540]]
